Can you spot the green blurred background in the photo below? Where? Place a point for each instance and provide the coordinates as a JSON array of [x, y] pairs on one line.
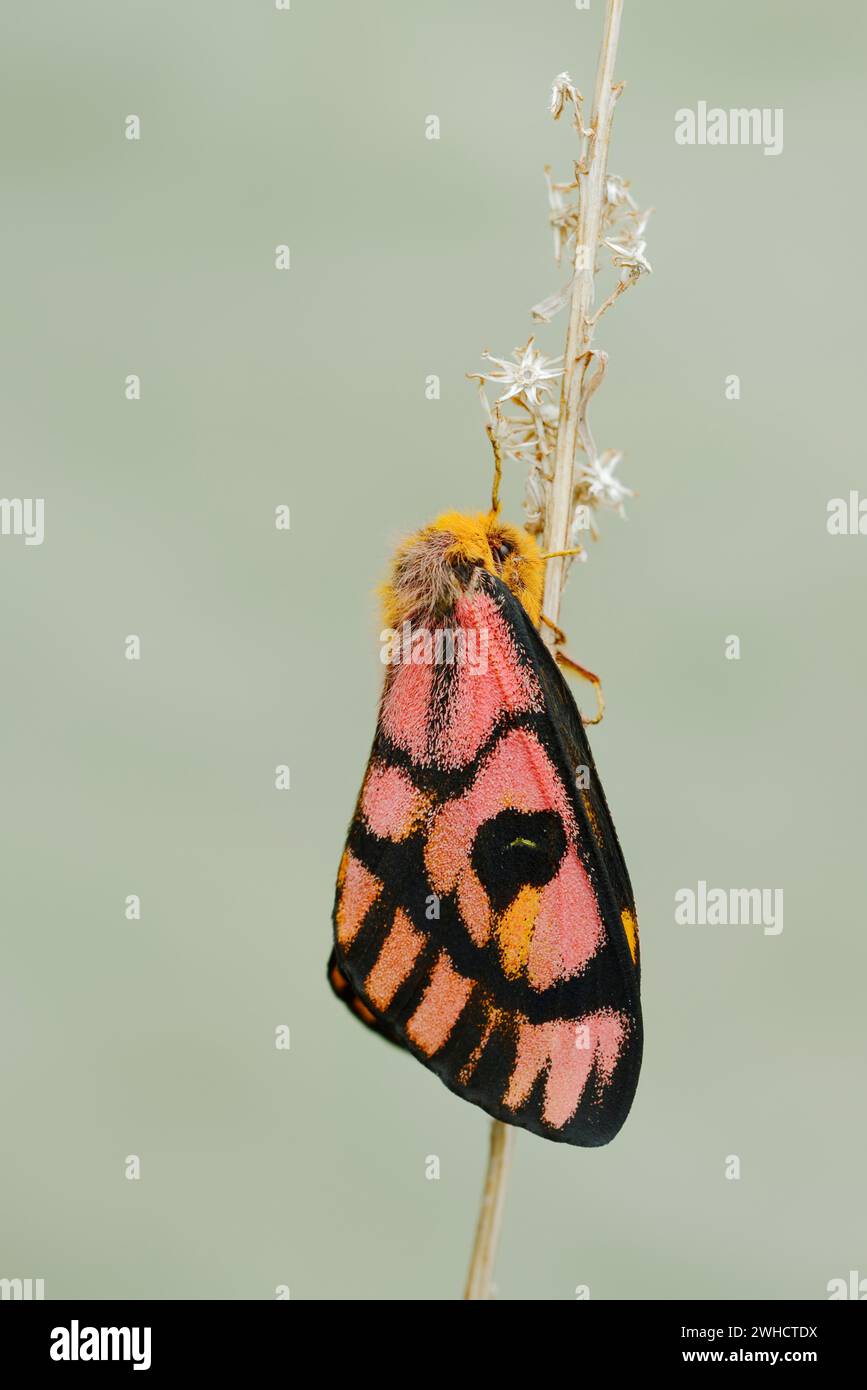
[[307, 1168]]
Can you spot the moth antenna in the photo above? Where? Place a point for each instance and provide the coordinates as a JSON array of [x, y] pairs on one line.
[[498, 471]]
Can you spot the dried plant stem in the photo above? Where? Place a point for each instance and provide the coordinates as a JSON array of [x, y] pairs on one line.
[[580, 331], [592, 170], [481, 1270]]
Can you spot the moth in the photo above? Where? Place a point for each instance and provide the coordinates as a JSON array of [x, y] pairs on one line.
[[484, 918]]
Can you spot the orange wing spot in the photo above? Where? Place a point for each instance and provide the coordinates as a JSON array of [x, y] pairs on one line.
[[395, 960], [630, 926], [359, 890], [590, 812], [338, 979], [440, 1008], [363, 1011], [515, 931]]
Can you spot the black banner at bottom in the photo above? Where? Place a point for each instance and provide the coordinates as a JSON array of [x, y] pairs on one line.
[[163, 1338]]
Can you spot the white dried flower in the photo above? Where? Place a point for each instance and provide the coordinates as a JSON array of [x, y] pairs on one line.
[[526, 376], [563, 90], [596, 479], [529, 434], [537, 432], [630, 256], [502, 433], [512, 437], [640, 222], [544, 311], [617, 192], [563, 214], [534, 500]]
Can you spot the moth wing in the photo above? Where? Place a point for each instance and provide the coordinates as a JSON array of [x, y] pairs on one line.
[[479, 915]]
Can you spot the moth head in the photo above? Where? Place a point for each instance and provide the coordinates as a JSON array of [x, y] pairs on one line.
[[435, 567]]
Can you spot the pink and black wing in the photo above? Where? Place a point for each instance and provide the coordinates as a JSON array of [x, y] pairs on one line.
[[484, 917]]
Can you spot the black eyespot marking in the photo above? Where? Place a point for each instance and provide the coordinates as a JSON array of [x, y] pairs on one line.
[[517, 848]]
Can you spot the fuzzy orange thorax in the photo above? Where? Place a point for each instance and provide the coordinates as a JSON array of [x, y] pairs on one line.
[[434, 567]]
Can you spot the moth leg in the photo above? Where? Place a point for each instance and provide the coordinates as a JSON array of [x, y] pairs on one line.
[[559, 634], [565, 660], [586, 675], [552, 555]]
